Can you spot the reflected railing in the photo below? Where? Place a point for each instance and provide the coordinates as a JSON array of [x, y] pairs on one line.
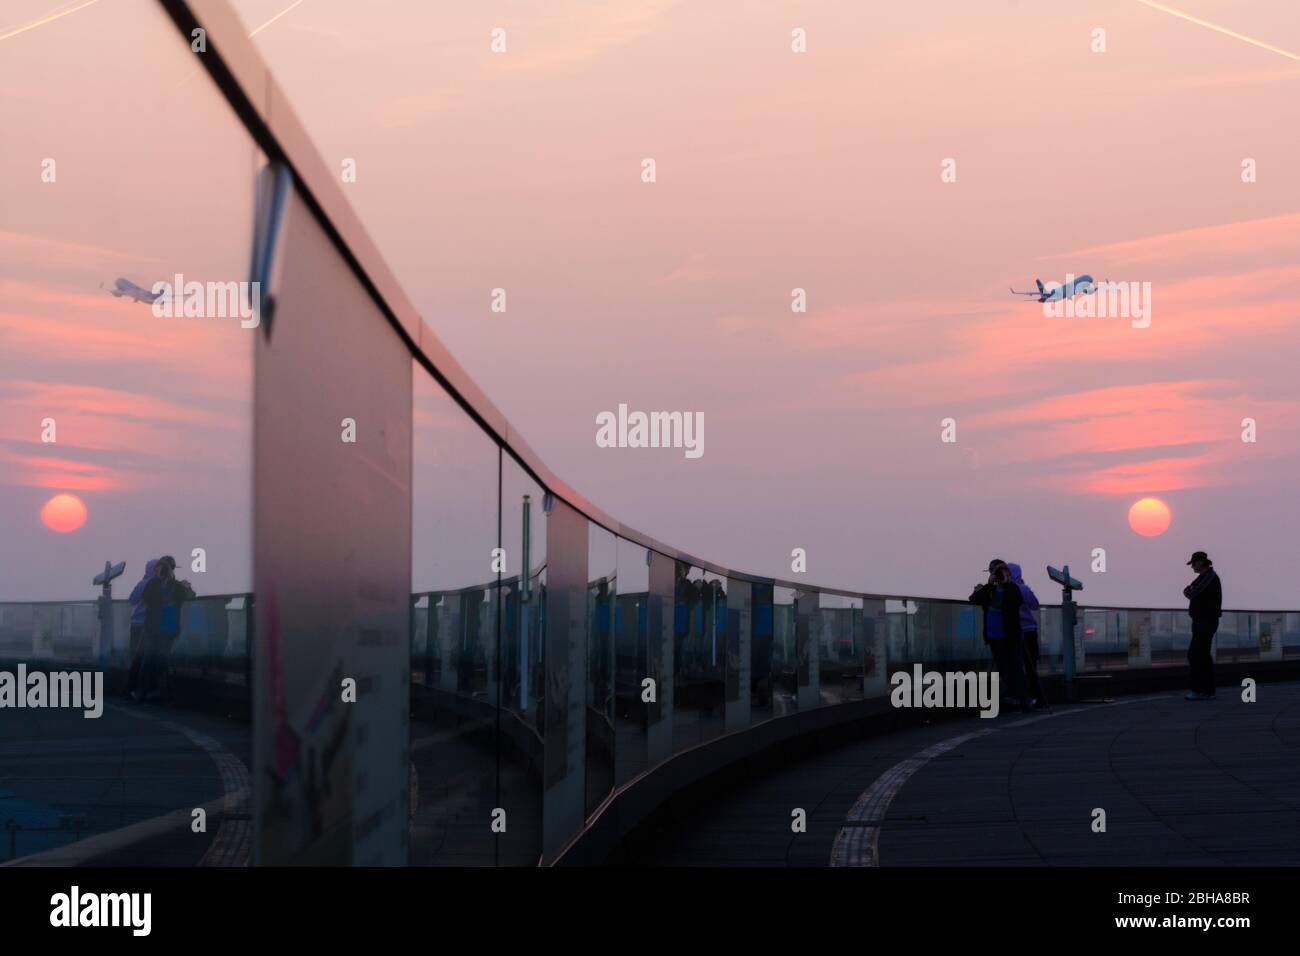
[[851, 640], [213, 641]]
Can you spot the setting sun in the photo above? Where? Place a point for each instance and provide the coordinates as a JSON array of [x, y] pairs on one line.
[[64, 513], [1149, 517]]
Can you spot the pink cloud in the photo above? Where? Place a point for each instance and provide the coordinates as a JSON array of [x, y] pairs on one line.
[[1247, 239]]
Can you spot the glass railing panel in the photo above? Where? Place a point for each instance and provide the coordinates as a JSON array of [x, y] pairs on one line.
[[841, 650], [761, 653], [1165, 642], [213, 644], [637, 659], [961, 627], [1101, 645], [699, 657], [785, 658], [1050, 644], [738, 631], [807, 674], [1238, 636], [875, 632], [1291, 634], [1138, 631], [457, 575], [136, 407], [601, 698], [660, 629], [526, 704], [1271, 630], [898, 633]]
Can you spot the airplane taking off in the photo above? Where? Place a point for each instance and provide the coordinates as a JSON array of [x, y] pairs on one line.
[[125, 287], [1056, 290]]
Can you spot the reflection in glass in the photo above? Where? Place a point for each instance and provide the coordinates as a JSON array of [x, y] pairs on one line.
[[1236, 639], [1269, 636], [761, 654], [875, 663], [785, 659], [842, 652], [964, 630], [807, 674], [924, 638], [898, 632], [523, 675], [602, 608], [128, 436], [699, 656], [455, 577], [739, 625], [632, 661]]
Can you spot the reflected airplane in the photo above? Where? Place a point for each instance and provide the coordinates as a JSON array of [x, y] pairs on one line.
[[1056, 290], [125, 287]]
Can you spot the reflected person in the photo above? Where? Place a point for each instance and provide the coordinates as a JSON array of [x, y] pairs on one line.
[[163, 597], [137, 630]]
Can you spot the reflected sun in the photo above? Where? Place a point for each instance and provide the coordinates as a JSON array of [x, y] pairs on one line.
[[64, 513]]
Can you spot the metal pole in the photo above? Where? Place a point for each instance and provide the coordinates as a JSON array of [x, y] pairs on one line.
[[1067, 633], [105, 609], [1067, 627], [525, 580]]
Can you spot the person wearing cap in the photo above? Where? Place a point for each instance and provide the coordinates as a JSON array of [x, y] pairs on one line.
[[1205, 597], [1001, 600]]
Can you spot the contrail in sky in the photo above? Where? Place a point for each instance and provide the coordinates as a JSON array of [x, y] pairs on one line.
[[49, 18], [1218, 29], [274, 18], [256, 31]]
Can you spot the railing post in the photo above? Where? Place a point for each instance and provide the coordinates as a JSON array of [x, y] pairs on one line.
[[1068, 616], [525, 577], [1067, 634]]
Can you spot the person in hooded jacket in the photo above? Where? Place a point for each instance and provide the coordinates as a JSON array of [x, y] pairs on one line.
[[1001, 600], [137, 630], [1028, 635]]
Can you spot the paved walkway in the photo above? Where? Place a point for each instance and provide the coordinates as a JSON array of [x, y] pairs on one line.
[[120, 789], [1182, 783]]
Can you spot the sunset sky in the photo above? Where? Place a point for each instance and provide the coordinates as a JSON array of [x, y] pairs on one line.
[[775, 170]]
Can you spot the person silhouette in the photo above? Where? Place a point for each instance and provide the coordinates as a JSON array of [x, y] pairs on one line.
[[1029, 636], [1205, 607], [162, 598], [1001, 600], [137, 630]]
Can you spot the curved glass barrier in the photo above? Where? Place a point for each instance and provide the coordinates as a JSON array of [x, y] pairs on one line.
[[554, 656]]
